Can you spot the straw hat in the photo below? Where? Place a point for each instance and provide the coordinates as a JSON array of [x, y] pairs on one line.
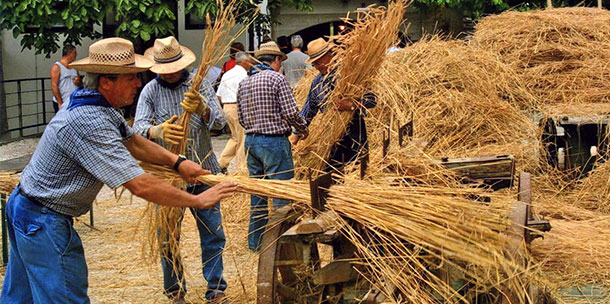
[[316, 49], [169, 56], [269, 48], [112, 56]]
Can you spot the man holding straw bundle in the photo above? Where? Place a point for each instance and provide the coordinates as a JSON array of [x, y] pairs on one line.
[[354, 143], [83, 147], [160, 103], [267, 110]]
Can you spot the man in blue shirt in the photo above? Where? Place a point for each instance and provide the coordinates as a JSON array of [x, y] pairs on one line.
[[354, 143], [158, 106], [84, 147]]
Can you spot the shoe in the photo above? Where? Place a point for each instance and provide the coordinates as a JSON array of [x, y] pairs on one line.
[[219, 298], [179, 299]]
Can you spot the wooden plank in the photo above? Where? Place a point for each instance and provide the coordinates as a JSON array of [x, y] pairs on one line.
[[335, 272], [324, 222]]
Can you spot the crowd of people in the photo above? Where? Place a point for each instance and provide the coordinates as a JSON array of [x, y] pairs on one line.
[[88, 144]]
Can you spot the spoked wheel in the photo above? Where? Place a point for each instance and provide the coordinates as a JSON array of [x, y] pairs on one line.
[[285, 268]]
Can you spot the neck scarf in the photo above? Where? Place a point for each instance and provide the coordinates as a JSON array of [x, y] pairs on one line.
[[85, 97], [259, 67]]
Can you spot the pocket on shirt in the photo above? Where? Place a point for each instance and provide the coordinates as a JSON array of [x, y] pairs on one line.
[[162, 115]]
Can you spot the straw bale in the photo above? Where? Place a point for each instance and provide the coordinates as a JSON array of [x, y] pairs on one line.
[[563, 54], [301, 90]]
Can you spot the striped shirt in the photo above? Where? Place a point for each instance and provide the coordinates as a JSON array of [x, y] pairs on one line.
[[266, 105], [158, 104], [80, 150]]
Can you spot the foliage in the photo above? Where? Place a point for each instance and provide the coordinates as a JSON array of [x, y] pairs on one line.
[[41, 21]]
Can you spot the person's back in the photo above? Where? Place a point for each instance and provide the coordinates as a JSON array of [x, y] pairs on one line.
[[294, 66]]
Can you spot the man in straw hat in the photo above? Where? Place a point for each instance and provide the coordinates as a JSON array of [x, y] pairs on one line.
[[83, 147], [158, 108], [354, 142], [267, 110]]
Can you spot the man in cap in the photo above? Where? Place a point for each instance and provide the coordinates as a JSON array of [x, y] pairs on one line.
[[267, 110], [227, 94], [354, 143], [83, 147], [159, 105]]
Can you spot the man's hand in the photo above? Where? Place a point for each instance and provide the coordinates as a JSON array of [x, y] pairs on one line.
[[208, 198], [190, 170], [167, 131], [344, 105], [294, 139], [193, 103]]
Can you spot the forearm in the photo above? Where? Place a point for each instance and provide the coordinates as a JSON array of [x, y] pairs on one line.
[[56, 94], [147, 151], [155, 190]]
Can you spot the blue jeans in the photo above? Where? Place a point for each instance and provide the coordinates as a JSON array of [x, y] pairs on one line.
[[47, 261], [212, 240], [268, 157]]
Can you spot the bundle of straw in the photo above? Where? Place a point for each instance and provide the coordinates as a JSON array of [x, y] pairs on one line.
[[358, 55], [563, 54], [164, 229]]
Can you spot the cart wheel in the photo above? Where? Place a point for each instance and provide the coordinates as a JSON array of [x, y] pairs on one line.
[[285, 268]]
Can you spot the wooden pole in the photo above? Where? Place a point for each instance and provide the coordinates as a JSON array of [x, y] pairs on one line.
[[549, 4], [599, 4]]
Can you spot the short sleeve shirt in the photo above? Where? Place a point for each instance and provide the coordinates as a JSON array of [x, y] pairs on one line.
[[80, 150]]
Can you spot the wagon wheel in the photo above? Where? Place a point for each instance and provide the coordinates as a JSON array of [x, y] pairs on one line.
[[283, 266]]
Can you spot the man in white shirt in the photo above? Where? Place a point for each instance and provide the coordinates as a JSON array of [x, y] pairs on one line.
[[227, 94]]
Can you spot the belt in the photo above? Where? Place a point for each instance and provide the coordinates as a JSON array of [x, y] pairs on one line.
[[28, 197], [270, 135]]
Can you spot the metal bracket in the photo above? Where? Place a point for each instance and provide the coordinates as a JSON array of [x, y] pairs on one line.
[[405, 132], [318, 189]]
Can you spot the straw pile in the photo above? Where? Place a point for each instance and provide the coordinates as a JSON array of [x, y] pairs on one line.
[[358, 53], [8, 181], [562, 54], [463, 102]]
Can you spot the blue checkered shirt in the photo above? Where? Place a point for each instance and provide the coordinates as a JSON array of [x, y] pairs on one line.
[[266, 105], [80, 150], [158, 104]]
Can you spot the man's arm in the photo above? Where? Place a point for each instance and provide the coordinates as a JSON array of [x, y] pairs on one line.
[[55, 75], [155, 190], [147, 151]]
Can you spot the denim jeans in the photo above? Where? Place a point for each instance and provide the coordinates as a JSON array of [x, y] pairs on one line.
[[268, 157], [212, 240], [47, 260]]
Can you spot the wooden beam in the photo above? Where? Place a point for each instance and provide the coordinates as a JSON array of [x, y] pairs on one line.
[[335, 272], [324, 222]]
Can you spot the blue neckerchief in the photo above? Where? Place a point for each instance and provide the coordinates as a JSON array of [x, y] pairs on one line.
[[84, 97], [183, 77], [259, 67]]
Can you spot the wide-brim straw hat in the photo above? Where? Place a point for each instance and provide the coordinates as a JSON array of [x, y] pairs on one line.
[[112, 56], [316, 49], [169, 56], [270, 48]]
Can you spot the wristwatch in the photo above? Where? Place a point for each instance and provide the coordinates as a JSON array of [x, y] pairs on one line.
[[180, 159]]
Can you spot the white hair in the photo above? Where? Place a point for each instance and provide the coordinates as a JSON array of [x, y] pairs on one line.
[[296, 41], [241, 56], [91, 81]]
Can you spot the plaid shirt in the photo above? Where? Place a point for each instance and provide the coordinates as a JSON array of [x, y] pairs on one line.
[[158, 104], [80, 150], [266, 105]]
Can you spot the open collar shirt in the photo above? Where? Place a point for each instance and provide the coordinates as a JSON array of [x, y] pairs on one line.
[[266, 105], [157, 104]]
